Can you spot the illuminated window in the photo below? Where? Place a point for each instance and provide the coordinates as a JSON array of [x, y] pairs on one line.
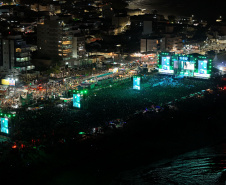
[[18, 50], [66, 42]]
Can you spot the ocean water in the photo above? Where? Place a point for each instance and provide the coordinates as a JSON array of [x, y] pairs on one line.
[[205, 166]]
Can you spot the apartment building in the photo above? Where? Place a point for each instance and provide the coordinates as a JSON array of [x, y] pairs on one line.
[[54, 39], [14, 55]]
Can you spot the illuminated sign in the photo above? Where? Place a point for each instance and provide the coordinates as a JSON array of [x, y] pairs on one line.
[[183, 58], [202, 75], [4, 125], [136, 82], [76, 100], [8, 82], [166, 72]]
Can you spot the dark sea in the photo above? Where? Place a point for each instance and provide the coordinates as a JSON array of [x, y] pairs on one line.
[[205, 166]]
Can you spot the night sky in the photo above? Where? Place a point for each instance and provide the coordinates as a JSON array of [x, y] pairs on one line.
[[208, 10]]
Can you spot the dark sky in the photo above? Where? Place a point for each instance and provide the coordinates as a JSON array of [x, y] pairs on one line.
[[209, 9]]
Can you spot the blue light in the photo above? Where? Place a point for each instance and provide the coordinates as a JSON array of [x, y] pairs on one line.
[[183, 58], [166, 63], [76, 100], [202, 67], [4, 125], [136, 83]]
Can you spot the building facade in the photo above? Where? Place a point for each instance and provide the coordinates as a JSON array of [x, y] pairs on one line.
[[54, 39], [173, 43], [14, 56], [147, 45]]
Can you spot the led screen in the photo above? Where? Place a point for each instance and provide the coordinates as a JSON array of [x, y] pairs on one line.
[[8, 82], [4, 125], [202, 67], [12, 82], [76, 100], [189, 66], [136, 83], [175, 64], [166, 63]]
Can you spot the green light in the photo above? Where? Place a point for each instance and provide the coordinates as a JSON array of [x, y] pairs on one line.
[[73, 90], [14, 115], [9, 115], [81, 133], [1, 114]]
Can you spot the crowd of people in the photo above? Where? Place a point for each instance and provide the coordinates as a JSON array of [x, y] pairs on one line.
[[109, 109], [119, 101]]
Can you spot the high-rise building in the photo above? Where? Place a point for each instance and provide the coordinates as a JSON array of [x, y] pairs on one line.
[[14, 55], [173, 43], [147, 28], [54, 39], [149, 44], [78, 46]]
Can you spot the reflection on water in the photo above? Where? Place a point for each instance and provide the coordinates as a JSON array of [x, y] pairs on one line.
[[205, 166]]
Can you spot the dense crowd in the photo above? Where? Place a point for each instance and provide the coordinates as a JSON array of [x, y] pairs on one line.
[[111, 106]]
